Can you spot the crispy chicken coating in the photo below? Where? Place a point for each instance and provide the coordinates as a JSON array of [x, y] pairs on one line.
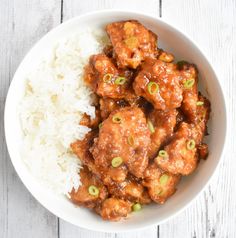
[[113, 209], [124, 134], [108, 175], [102, 76], [161, 185], [86, 120], [159, 83], [82, 197], [189, 73], [163, 124], [182, 155], [132, 43], [131, 189]]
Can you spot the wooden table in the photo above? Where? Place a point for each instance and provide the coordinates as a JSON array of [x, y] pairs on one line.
[[211, 23]]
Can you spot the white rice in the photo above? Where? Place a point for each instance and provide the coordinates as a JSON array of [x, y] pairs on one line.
[[54, 101]]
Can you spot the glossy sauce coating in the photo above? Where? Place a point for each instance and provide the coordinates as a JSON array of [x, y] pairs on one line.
[[169, 94], [132, 43], [113, 140]]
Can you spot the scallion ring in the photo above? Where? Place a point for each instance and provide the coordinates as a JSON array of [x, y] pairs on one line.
[[100, 125], [164, 179], [150, 126], [93, 190], [116, 119], [136, 207], [116, 162], [120, 80], [107, 78], [152, 88], [189, 83], [130, 140], [163, 154], [191, 144], [199, 103]]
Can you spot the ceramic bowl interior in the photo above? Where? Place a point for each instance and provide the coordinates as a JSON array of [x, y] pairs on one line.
[[171, 40]]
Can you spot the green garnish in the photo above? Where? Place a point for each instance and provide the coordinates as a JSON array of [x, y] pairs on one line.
[[93, 190], [163, 153], [159, 191], [136, 207], [190, 144], [116, 162], [120, 80], [150, 126], [107, 78], [100, 125], [131, 140], [152, 88], [199, 103], [164, 179], [116, 119], [189, 83]]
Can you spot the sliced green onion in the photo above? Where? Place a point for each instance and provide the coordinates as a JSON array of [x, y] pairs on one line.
[[159, 191], [93, 190], [116, 162], [136, 207], [150, 126], [190, 144], [152, 88], [199, 103], [163, 153], [116, 119], [131, 140], [164, 179], [107, 77], [100, 125], [120, 80], [189, 83]]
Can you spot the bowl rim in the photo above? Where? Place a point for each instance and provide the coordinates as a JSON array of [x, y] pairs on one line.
[[178, 31]]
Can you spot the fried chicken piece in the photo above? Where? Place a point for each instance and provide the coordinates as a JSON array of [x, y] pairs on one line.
[[159, 83], [163, 123], [123, 134], [182, 155], [189, 79], [131, 189], [114, 209], [102, 76], [132, 43], [161, 185], [82, 197], [81, 148], [86, 120], [165, 56]]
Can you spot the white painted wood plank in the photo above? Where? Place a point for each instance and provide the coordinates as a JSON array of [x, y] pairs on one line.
[[21, 24], [212, 25], [72, 8]]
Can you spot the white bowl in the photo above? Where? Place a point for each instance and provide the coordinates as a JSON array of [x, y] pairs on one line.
[[171, 40]]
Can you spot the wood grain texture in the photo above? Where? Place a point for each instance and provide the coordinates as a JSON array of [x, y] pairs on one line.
[[21, 24], [214, 29]]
